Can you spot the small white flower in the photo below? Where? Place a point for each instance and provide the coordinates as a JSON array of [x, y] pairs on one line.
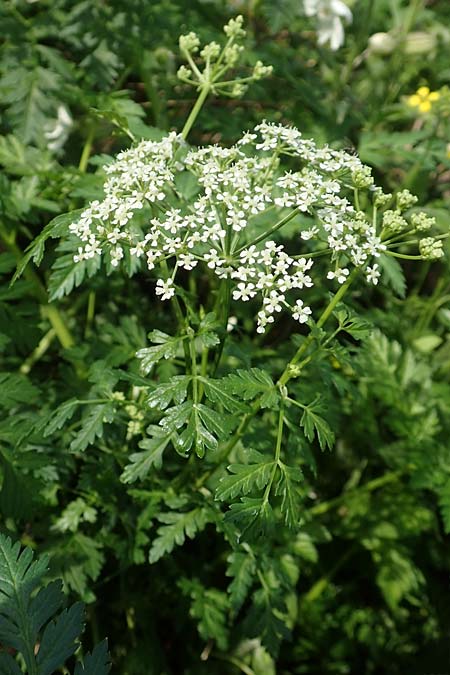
[[213, 259], [340, 274], [165, 289], [373, 274], [301, 312], [244, 292]]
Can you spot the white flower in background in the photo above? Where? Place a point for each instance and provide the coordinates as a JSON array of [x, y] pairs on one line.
[[330, 15], [58, 132]]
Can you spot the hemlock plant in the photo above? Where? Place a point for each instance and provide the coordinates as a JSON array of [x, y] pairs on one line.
[[212, 435]]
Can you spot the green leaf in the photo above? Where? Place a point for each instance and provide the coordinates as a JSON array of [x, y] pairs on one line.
[[57, 227], [97, 663], [178, 526], [203, 427], [8, 665], [174, 390], [206, 331], [246, 477], [92, 426], [252, 517], [210, 607], [250, 384], [61, 415], [16, 388], [20, 617], [67, 274], [393, 274], [444, 504], [166, 347], [397, 575], [60, 639], [142, 462], [315, 425], [220, 395], [287, 487], [242, 567]]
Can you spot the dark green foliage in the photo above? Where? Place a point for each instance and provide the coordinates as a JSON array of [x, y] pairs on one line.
[[31, 620], [158, 493]]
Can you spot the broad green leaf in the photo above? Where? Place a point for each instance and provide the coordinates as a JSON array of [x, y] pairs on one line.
[[210, 607], [393, 274], [218, 394], [67, 274], [251, 516]]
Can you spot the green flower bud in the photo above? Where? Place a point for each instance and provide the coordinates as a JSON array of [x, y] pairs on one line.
[[422, 222], [233, 29], [431, 248], [393, 222], [260, 70], [362, 178], [405, 200], [381, 198], [210, 51], [189, 43], [184, 74]]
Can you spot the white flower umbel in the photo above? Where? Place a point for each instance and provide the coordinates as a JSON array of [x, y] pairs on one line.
[[330, 14], [241, 196]]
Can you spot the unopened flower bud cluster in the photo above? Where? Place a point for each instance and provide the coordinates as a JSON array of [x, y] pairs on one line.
[[217, 62], [144, 221]]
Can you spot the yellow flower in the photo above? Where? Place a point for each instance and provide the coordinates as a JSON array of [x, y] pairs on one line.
[[423, 99]]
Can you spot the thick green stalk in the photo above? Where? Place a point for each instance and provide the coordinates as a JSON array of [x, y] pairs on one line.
[[195, 111]]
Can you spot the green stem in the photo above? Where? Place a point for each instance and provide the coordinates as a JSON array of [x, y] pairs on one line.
[[284, 378], [273, 229], [277, 452], [195, 110], [87, 148], [90, 313], [319, 587], [38, 353], [403, 256], [50, 311], [324, 507], [235, 662], [290, 368]]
